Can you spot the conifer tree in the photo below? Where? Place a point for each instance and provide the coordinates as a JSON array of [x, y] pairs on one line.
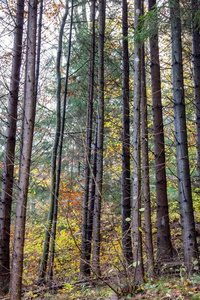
[[25, 154], [100, 137], [183, 171], [126, 180], [164, 245], [9, 156]]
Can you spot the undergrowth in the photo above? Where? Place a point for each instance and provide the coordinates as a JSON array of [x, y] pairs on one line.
[[68, 285]]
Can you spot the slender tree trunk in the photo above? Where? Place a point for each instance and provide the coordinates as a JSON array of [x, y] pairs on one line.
[[43, 266], [9, 156], [195, 6], [126, 181], [137, 237], [164, 246], [55, 212], [37, 71], [100, 111], [92, 198], [145, 169], [184, 183], [84, 267], [25, 157]]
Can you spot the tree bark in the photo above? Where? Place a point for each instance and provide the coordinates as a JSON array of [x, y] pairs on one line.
[[100, 111], [25, 155], [92, 198], [195, 6], [184, 183], [145, 167], [9, 156], [43, 266], [84, 264], [164, 246], [37, 71], [137, 237], [55, 211], [126, 181]]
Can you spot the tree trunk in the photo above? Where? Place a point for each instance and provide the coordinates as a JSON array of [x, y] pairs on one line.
[[145, 170], [184, 183], [55, 212], [43, 266], [126, 181], [195, 6], [164, 246], [137, 237], [84, 267], [92, 199], [25, 155], [100, 111], [9, 156], [37, 71]]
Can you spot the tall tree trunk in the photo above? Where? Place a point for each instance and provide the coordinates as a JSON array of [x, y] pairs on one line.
[[100, 111], [25, 155], [145, 169], [164, 246], [9, 156], [55, 212], [137, 237], [195, 6], [37, 71], [92, 199], [126, 181], [84, 267], [43, 266], [184, 183]]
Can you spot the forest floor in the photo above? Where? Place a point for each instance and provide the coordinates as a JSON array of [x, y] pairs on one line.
[[171, 283], [164, 288]]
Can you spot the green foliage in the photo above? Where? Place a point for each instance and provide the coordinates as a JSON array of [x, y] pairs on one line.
[[67, 256], [150, 23], [197, 18]]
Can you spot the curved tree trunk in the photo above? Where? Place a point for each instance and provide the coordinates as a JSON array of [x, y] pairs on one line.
[[9, 156], [185, 194], [25, 155], [43, 266], [58, 173]]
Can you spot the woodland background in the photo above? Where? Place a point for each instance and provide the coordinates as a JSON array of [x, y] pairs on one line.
[[82, 63]]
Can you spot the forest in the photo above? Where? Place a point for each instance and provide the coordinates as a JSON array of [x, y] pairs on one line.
[[100, 149]]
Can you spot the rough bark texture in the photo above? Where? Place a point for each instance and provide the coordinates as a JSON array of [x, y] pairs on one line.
[[164, 246], [25, 155], [195, 6], [126, 181], [84, 265], [145, 170], [100, 111], [37, 71], [44, 260], [58, 171], [184, 183], [137, 238], [9, 156], [92, 199]]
